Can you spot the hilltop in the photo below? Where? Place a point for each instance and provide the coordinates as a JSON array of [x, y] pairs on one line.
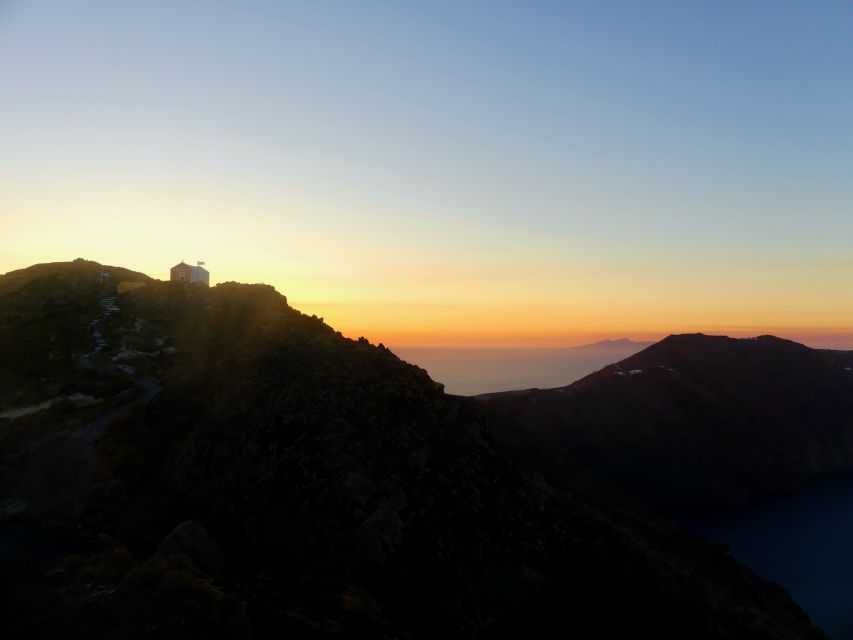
[[77, 276], [698, 420], [45, 316], [350, 496]]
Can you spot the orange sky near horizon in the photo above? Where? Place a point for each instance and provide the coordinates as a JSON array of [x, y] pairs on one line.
[[415, 284], [426, 305]]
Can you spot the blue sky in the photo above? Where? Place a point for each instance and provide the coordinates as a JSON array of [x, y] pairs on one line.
[[561, 148]]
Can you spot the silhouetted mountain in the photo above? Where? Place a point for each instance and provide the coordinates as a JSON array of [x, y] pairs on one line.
[[351, 497], [701, 420]]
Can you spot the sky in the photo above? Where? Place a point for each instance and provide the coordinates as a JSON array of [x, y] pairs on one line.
[[495, 174]]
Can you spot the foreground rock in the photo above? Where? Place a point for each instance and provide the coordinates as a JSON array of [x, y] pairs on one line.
[[191, 539], [13, 509]]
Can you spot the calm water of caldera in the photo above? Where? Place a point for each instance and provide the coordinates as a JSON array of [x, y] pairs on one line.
[[803, 541]]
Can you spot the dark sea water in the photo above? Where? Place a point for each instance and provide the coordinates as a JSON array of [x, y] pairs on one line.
[[473, 371], [804, 542]]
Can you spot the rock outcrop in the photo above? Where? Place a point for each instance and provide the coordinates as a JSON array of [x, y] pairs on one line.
[[191, 539], [699, 420]]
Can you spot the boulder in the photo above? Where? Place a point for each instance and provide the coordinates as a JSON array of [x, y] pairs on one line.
[[12, 509], [191, 539], [110, 542]]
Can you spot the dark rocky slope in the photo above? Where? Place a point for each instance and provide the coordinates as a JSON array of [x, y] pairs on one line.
[[698, 420], [362, 486], [45, 316], [352, 497]]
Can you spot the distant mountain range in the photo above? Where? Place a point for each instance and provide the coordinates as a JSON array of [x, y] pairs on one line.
[[700, 420]]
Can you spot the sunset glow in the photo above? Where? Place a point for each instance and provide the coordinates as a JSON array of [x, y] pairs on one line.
[[456, 193]]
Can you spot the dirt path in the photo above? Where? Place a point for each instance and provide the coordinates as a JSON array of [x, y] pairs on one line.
[[57, 474]]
